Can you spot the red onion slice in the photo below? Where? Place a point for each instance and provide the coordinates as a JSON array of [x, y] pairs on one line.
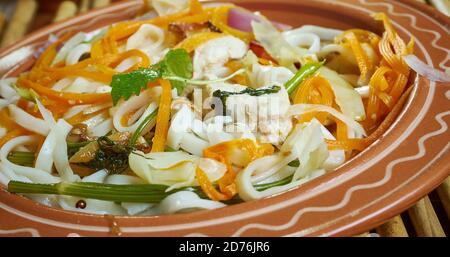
[[241, 19], [425, 70]]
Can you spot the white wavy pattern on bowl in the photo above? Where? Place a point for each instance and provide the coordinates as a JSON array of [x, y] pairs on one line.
[[289, 224], [8, 232]]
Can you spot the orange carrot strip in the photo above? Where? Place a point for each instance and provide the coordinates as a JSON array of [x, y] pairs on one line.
[[192, 42], [364, 63], [208, 188], [162, 120], [65, 97], [12, 134], [221, 152], [6, 121]]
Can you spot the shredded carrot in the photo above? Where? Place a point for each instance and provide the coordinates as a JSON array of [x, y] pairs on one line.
[[96, 76], [64, 97], [126, 119], [6, 121], [125, 29], [97, 49], [208, 187], [363, 36], [163, 117], [315, 90], [392, 47], [194, 41], [398, 87], [13, 134], [395, 60], [364, 63], [49, 53], [103, 64], [222, 153]]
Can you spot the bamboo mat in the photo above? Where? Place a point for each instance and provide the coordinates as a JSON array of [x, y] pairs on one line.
[[430, 217]]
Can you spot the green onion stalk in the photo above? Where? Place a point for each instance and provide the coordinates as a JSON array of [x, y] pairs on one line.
[[305, 71], [141, 193], [21, 158]]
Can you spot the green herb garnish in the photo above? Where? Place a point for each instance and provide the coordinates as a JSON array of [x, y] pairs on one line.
[[21, 158], [223, 95], [110, 156], [177, 63], [304, 72], [142, 126]]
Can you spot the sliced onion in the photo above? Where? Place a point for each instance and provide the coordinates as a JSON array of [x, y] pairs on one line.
[[241, 19], [425, 70]]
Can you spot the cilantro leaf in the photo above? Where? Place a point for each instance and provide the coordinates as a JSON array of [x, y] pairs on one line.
[[128, 84], [177, 63]]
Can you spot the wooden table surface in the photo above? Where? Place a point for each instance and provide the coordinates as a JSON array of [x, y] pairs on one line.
[[428, 217]]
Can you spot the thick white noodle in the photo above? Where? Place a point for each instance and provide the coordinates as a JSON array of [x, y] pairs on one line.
[[61, 84], [7, 92], [303, 39], [28, 121], [147, 99], [9, 174], [44, 160], [69, 45], [149, 39], [35, 175], [75, 54], [183, 201], [334, 48], [62, 129], [101, 129]]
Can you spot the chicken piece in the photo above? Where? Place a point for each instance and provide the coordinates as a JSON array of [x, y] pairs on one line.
[[263, 75], [210, 58], [264, 114]]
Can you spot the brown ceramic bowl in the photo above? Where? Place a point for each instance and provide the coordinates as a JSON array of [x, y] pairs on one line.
[[408, 162]]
